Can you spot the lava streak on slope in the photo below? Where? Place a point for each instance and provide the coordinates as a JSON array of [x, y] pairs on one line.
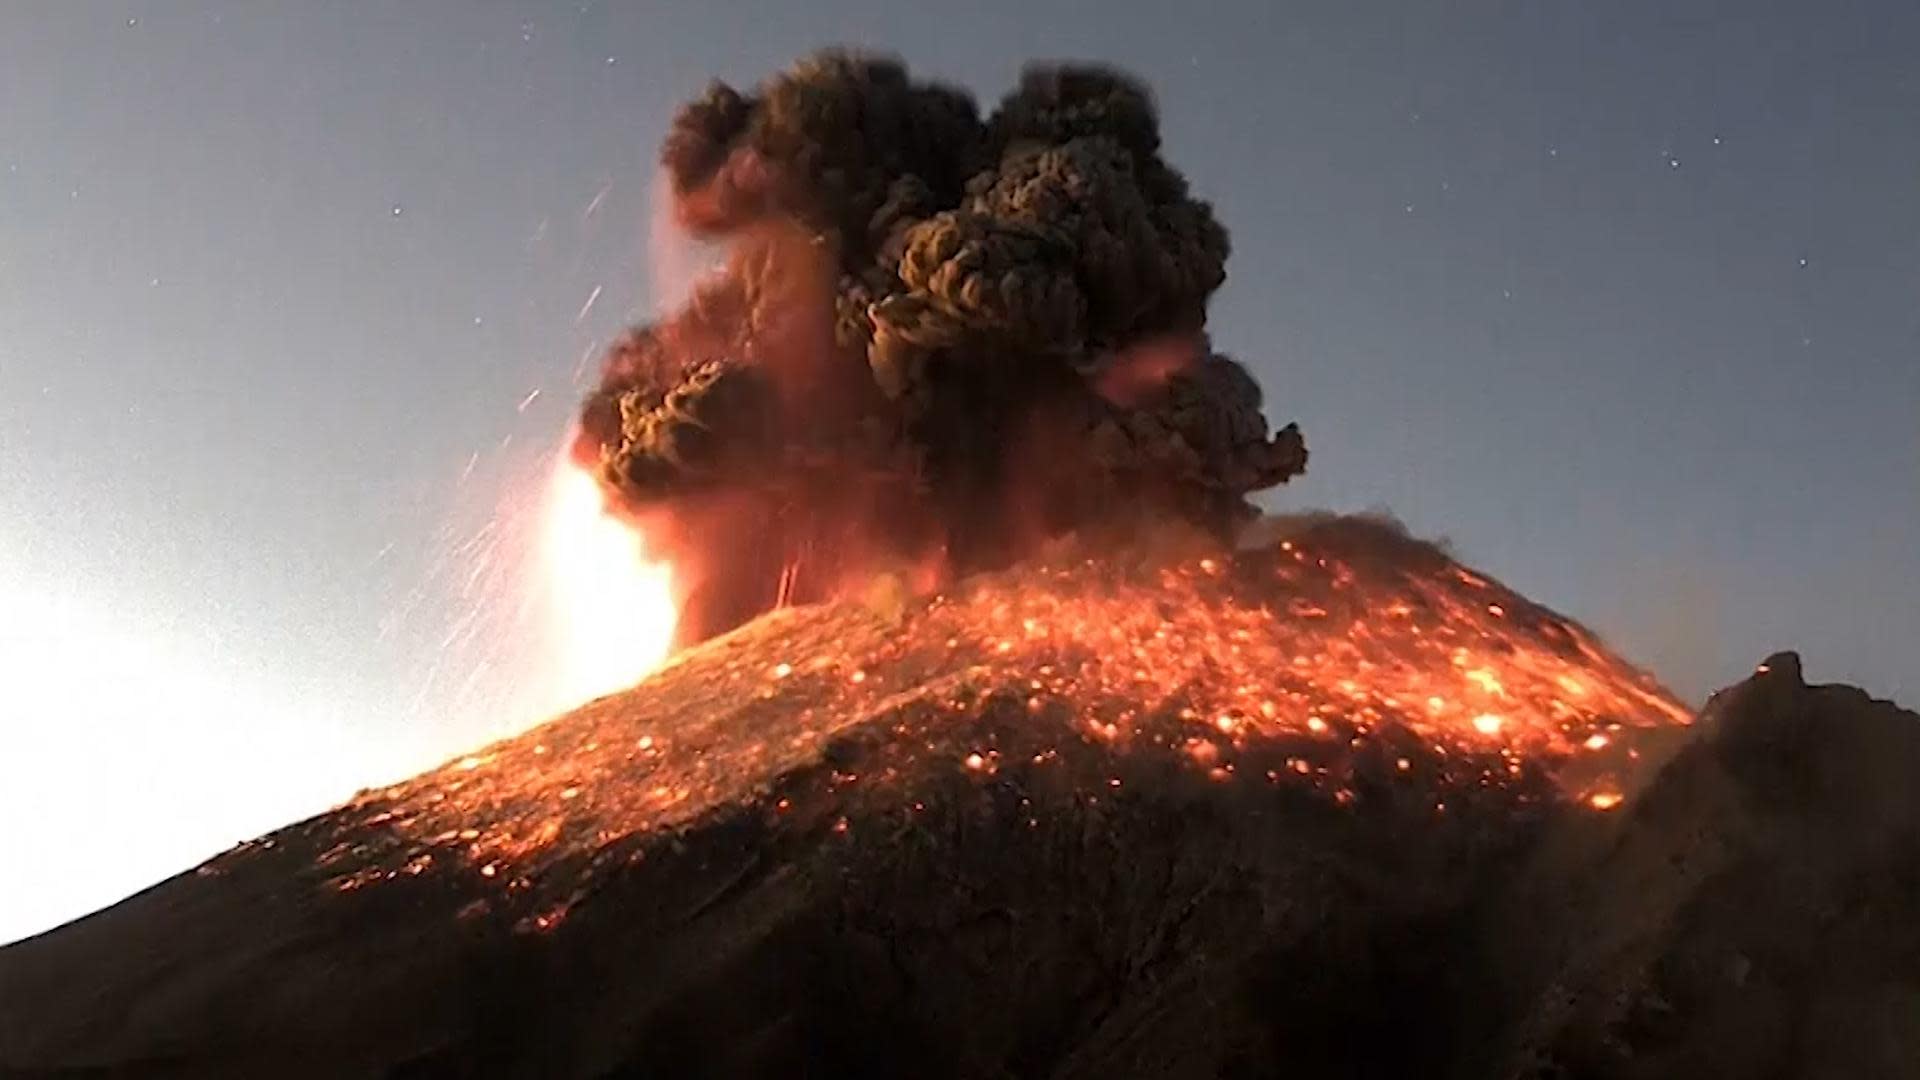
[[1348, 662]]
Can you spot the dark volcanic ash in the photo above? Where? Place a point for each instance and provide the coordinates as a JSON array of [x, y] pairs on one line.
[[937, 341]]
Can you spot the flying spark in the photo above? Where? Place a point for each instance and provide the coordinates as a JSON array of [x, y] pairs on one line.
[[588, 306]]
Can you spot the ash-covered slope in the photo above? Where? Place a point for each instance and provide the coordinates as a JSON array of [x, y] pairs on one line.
[[1334, 807]]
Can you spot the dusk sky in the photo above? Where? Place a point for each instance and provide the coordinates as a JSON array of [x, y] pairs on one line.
[[1621, 298]]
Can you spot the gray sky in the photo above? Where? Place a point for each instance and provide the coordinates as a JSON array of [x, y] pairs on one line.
[[1620, 297]]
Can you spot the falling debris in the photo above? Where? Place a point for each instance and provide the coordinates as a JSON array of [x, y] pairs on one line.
[[1199, 653], [922, 874]]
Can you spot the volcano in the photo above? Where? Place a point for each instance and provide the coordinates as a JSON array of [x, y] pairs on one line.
[[1330, 804]]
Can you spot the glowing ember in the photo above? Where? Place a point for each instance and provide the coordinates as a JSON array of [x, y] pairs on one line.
[[1348, 661], [613, 608]]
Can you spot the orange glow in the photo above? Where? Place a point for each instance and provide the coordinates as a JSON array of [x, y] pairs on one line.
[[613, 607], [1269, 666]]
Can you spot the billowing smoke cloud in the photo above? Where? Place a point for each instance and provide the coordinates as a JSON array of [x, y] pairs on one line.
[[937, 340]]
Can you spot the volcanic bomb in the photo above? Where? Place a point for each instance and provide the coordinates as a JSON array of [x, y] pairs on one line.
[[938, 340]]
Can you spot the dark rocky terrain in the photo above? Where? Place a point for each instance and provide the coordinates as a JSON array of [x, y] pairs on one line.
[[1756, 913], [955, 855]]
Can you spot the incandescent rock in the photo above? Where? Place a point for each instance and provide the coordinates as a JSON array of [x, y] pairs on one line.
[[1324, 808]]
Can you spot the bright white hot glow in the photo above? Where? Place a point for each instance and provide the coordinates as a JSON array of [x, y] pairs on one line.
[[612, 606]]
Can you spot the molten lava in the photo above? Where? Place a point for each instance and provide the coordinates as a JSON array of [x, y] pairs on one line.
[[1348, 662], [612, 607]]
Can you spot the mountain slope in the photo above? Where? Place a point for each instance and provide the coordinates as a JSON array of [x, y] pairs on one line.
[[1335, 806]]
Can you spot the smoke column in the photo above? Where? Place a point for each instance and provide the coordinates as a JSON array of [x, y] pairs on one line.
[[936, 339]]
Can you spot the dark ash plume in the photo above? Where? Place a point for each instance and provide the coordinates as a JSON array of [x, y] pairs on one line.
[[937, 340]]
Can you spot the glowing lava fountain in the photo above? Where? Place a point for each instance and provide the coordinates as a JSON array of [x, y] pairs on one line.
[[613, 607]]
